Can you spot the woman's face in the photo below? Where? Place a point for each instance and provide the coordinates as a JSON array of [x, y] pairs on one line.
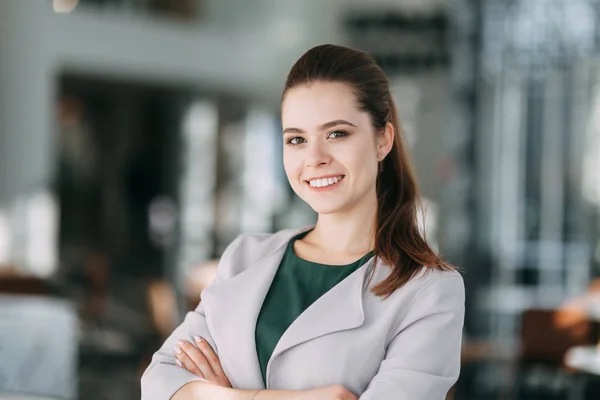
[[330, 147]]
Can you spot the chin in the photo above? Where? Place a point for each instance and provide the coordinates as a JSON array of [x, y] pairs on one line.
[[321, 208]]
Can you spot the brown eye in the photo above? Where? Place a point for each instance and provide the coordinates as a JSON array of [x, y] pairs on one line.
[[337, 134], [295, 140]]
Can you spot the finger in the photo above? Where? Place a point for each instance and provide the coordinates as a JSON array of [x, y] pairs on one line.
[[197, 358], [187, 363], [210, 355]]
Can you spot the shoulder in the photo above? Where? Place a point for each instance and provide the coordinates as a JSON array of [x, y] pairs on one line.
[[439, 292], [249, 248], [435, 293], [438, 302], [431, 280], [435, 287], [430, 291], [425, 281], [432, 296]]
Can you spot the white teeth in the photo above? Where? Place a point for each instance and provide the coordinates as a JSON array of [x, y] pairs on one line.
[[325, 181]]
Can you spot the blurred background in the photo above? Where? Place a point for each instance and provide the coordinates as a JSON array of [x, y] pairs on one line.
[[138, 138]]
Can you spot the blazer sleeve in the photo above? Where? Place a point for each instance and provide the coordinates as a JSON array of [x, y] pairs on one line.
[[163, 377], [422, 360]]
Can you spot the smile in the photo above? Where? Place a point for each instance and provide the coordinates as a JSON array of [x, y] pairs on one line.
[[325, 182]]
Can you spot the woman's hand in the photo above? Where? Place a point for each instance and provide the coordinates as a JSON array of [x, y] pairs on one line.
[[201, 361], [333, 392], [204, 363]]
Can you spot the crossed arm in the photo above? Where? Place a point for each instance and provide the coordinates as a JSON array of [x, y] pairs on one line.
[[422, 360], [200, 375], [202, 361]]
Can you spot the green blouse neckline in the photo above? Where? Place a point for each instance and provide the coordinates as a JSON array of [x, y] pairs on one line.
[[293, 254]]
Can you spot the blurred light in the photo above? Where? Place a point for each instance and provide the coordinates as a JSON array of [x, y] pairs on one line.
[[41, 231], [200, 123], [591, 158], [408, 96], [5, 240], [162, 215], [64, 6], [261, 196], [583, 358], [199, 133], [428, 221]]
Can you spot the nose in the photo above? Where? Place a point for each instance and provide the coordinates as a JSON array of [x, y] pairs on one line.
[[317, 155]]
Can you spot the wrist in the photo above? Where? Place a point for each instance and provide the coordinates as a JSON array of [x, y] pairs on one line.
[[255, 394], [209, 391], [237, 394]]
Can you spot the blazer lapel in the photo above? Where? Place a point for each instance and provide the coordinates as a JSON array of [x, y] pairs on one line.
[[341, 308], [232, 308]]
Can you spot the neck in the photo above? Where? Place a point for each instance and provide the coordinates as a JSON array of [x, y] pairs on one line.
[[351, 231]]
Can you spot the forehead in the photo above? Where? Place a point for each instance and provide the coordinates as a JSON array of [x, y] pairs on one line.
[[307, 106]]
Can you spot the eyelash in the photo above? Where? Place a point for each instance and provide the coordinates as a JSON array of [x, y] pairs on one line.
[[289, 141]]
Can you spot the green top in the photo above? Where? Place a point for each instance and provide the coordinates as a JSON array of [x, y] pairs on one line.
[[297, 284]]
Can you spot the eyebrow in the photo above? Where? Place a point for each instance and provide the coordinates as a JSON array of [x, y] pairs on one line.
[[322, 127]]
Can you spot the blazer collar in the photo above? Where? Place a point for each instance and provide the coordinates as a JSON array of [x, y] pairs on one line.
[[232, 308]]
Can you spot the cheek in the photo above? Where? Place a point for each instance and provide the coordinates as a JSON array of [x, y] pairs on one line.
[[292, 166], [359, 159]]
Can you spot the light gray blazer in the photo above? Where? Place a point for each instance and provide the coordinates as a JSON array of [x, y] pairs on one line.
[[405, 347]]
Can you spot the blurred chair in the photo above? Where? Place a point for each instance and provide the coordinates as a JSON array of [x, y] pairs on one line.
[[25, 285], [545, 337], [13, 282]]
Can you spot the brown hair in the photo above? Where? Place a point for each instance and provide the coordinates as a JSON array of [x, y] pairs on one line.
[[398, 241]]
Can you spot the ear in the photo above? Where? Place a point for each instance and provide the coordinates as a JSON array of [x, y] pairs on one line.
[[385, 141]]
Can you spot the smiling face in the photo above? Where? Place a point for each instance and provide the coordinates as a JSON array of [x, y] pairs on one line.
[[330, 147]]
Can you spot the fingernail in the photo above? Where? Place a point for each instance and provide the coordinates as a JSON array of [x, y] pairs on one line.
[[198, 339], [177, 350], [179, 364], [179, 343]]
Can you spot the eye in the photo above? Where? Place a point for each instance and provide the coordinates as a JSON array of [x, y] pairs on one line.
[[295, 140], [337, 134]]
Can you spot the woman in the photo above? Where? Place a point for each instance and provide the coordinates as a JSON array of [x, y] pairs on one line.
[[358, 306]]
